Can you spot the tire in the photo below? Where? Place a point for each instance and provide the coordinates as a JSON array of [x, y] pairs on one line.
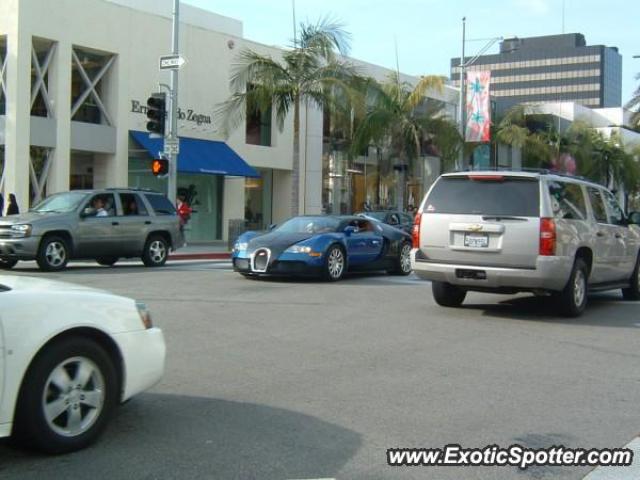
[[447, 295], [7, 264], [335, 264], [572, 301], [107, 261], [633, 291], [76, 416], [156, 251], [53, 254], [403, 261]]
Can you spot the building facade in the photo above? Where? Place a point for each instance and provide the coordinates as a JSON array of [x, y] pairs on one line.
[[75, 76], [554, 68]]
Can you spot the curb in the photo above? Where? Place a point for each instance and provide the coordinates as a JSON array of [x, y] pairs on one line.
[[200, 256]]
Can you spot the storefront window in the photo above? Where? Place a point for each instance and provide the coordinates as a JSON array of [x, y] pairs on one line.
[[258, 195], [203, 193], [258, 130], [89, 66]]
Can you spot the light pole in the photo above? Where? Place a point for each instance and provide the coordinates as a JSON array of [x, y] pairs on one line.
[[172, 187], [464, 64]]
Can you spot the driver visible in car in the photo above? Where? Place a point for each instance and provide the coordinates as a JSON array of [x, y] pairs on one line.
[[98, 205]]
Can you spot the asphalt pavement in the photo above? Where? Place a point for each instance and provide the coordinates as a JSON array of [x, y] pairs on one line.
[[284, 379]]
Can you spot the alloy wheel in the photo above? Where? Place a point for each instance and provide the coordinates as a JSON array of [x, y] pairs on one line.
[[335, 263], [579, 288], [73, 397], [157, 251], [56, 254], [405, 258]]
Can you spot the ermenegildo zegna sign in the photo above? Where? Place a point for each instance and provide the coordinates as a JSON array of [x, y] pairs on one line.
[[186, 115]]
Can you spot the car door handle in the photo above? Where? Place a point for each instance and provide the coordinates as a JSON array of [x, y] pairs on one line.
[[618, 235], [600, 234], [115, 223], [147, 222]]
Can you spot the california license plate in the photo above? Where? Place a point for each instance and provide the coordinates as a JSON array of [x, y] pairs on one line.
[[476, 240]]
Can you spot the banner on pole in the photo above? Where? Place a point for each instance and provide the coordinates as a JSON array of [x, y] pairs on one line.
[[478, 107]]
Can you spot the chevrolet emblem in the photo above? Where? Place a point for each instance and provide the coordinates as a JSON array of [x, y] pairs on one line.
[[475, 228]]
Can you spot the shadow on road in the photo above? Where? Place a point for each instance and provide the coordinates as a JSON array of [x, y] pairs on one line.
[[160, 436], [607, 310]]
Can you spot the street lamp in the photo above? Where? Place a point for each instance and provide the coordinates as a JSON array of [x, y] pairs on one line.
[[463, 70]]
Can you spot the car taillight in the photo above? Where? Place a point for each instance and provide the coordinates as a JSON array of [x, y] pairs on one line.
[[547, 237], [415, 233]]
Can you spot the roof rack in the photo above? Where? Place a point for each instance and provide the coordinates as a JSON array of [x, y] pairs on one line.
[[132, 189], [541, 171]]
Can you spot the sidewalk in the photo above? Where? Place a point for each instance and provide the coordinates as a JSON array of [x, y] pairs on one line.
[[209, 251]]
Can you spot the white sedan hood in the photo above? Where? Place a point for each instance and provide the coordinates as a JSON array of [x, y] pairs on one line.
[[33, 284]]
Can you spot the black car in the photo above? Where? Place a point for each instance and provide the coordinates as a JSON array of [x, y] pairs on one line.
[[401, 220]]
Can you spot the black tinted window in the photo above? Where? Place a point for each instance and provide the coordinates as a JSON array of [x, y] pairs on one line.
[[597, 205], [616, 215], [161, 204], [503, 196], [567, 201]]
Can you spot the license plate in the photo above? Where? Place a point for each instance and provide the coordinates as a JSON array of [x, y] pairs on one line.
[[476, 240]]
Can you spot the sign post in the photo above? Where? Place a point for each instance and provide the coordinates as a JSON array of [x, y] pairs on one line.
[[173, 62]]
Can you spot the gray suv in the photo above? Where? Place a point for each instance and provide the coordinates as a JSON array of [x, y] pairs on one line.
[[104, 225], [507, 232]]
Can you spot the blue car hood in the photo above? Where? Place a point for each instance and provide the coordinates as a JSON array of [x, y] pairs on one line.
[[277, 242]]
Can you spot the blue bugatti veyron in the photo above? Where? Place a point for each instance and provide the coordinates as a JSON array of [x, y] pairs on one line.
[[324, 246]]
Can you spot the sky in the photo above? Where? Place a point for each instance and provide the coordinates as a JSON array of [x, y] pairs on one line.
[[429, 32]]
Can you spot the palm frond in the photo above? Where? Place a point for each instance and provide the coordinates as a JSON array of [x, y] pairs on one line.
[[426, 84], [325, 37]]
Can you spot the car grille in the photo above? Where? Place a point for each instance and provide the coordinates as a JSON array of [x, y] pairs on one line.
[[5, 231], [261, 260]]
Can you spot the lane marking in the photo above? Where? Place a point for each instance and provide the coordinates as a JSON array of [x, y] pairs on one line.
[[620, 473]]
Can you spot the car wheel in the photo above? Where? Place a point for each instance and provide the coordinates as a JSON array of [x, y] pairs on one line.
[[66, 397], [633, 291], [156, 251], [53, 254], [447, 295], [7, 264], [107, 261], [335, 264], [403, 262], [572, 301]]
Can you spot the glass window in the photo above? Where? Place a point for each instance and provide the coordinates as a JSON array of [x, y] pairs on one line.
[[616, 215], [258, 128], [310, 225], [132, 204], [102, 205], [567, 201], [60, 202], [160, 204], [597, 205], [257, 200], [501, 196]]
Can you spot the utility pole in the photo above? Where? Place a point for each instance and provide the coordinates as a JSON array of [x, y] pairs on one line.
[[172, 136], [462, 92]]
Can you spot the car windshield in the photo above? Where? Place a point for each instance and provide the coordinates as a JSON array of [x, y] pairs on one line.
[[309, 225], [60, 203], [375, 215]]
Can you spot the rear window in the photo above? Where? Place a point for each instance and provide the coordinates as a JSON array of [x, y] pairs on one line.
[[161, 204], [508, 196]]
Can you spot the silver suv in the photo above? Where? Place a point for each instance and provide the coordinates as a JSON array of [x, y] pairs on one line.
[[507, 232], [104, 225]]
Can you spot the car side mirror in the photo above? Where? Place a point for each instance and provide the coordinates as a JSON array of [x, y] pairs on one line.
[[350, 230], [272, 226], [87, 212], [634, 218]]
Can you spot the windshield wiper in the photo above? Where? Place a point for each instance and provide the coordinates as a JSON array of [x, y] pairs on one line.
[[499, 218]]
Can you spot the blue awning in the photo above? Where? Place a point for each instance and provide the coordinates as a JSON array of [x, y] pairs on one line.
[[201, 156]]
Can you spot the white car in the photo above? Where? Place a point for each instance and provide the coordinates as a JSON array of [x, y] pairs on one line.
[[68, 355]]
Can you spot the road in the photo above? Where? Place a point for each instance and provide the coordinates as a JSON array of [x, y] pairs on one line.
[[305, 380]]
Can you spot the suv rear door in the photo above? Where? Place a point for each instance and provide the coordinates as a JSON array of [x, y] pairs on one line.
[[484, 220], [134, 224]]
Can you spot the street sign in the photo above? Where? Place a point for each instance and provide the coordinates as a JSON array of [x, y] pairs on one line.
[[171, 62], [171, 147]]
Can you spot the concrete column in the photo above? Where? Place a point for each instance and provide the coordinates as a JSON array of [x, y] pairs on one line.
[[281, 195], [60, 92], [17, 129], [115, 98], [232, 203]]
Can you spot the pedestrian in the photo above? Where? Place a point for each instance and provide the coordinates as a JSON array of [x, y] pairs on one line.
[[184, 211], [13, 209]]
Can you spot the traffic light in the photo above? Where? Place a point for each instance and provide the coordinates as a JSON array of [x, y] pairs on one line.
[[160, 166], [156, 112]]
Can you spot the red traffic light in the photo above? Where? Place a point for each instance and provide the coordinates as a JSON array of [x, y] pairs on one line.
[[160, 166]]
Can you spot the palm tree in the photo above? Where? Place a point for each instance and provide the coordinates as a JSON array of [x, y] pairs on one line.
[[305, 75], [396, 114], [634, 104]]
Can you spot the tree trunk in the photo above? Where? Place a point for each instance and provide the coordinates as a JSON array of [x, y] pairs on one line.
[[295, 172]]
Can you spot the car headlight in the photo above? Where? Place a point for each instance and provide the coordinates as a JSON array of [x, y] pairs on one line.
[[145, 315], [299, 249], [239, 246], [21, 230]]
